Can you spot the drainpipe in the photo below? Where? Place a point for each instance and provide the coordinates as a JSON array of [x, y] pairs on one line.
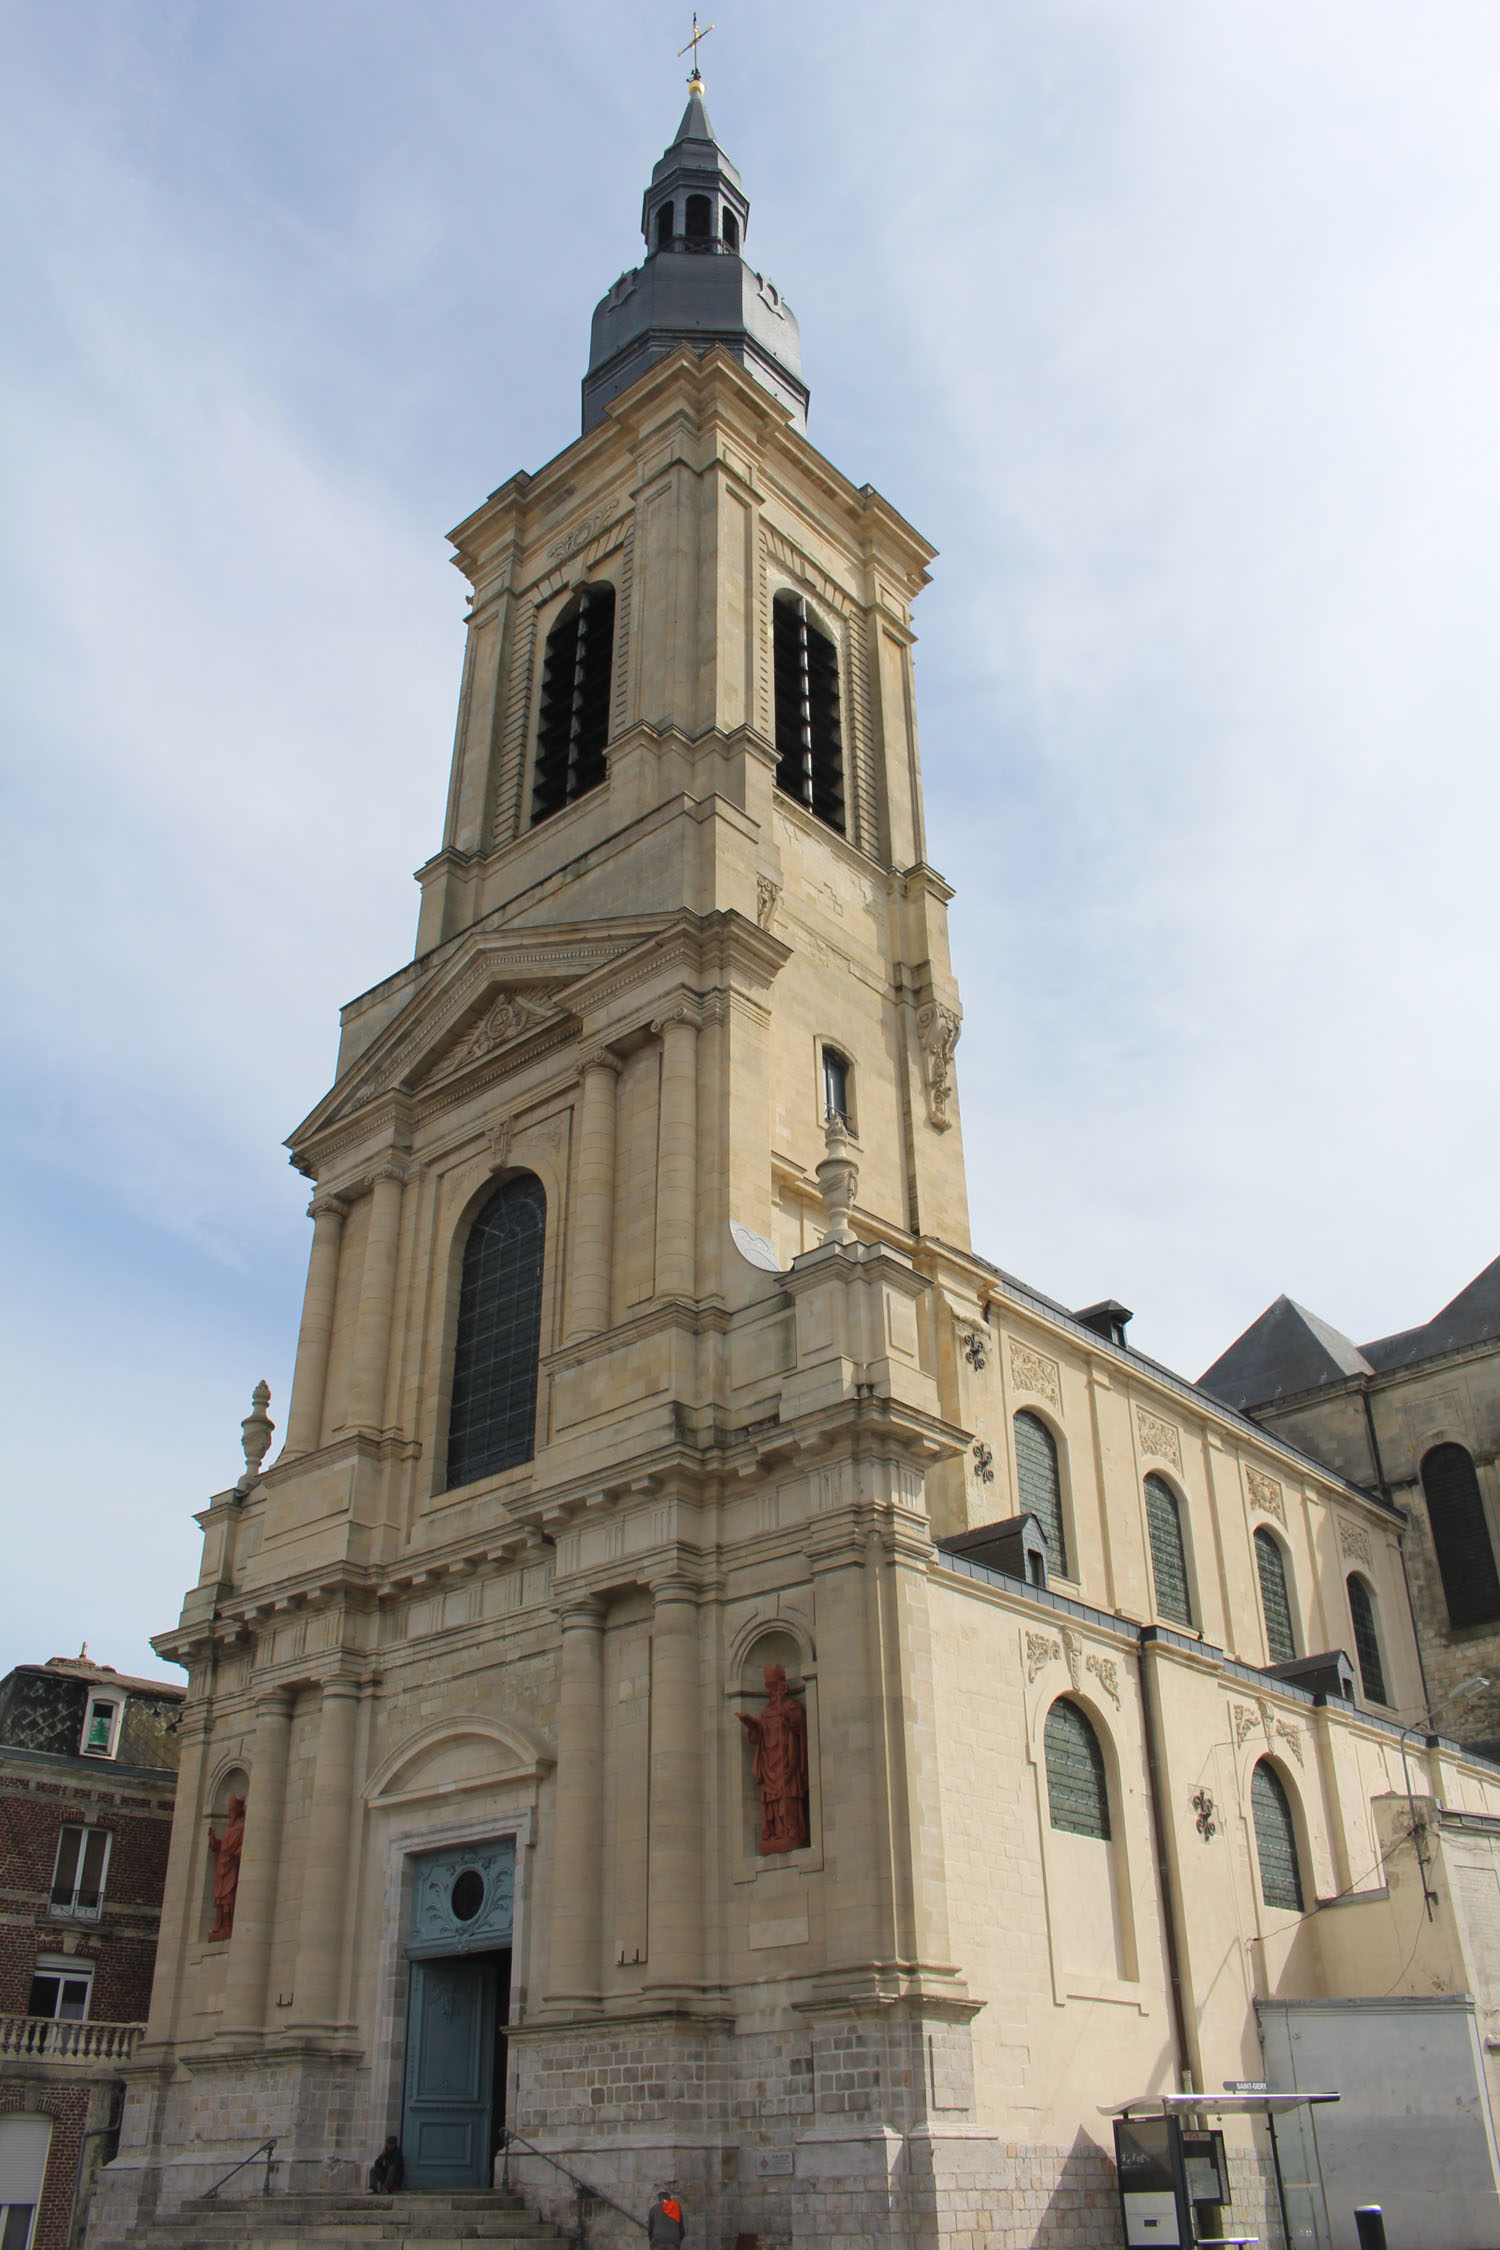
[[1385, 1494], [1169, 1911]]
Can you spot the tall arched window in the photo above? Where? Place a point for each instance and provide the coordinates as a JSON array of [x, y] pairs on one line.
[[1168, 1556], [1275, 1839], [1077, 1786], [699, 223], [574, 723], [1275, 1601], [492, 1419], [1461, 1536], [1039, 1485], [809, 743], [1366, 1640]]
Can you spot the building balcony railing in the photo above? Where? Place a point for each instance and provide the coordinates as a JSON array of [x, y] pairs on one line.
[[47, 2039]]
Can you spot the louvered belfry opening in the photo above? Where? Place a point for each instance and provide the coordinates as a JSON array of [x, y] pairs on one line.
[[1460, 1536], [809, 740], [492, 1417], [574, 724]]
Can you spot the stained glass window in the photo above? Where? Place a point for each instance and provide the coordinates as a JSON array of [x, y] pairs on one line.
[[1461, 1536], [1168, 1558], [1275, 1601], [492, 1421], [809, 741], [574, 723], [1366, 1640], [1077, 1790], [1039, 1485], [1275, 1840]]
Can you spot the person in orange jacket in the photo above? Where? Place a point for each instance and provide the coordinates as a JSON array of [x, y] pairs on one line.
[[665, 2227]]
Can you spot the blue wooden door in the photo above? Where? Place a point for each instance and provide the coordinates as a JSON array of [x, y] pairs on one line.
[[450, 2075]]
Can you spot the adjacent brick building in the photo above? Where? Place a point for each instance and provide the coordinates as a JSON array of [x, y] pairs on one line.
[[88, 1773]]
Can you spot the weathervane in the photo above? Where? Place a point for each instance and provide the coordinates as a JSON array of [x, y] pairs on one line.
[[694, 42]]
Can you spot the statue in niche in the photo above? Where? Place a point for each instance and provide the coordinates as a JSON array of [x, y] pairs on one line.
[[779, 1736], [227, 1850]]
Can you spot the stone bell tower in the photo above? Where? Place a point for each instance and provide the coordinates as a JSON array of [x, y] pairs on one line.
[[626, 1373]]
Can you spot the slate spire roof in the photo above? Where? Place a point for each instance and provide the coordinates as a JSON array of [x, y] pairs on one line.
[[1289, 1349], [695, 287]]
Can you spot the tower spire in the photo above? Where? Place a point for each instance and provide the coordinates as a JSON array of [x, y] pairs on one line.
[[695, 287]]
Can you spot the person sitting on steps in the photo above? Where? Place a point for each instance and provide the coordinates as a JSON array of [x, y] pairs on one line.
[[388, 2172]]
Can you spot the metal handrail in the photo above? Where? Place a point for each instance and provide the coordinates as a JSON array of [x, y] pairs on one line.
[[267, 2149], [581, 2187]]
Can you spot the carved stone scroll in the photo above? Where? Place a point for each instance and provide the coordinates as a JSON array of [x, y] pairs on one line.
[[1041, 1650], [1159, 1439], [937, 1033], [1106, 1672], [1354, 1541], [1033, 1371]]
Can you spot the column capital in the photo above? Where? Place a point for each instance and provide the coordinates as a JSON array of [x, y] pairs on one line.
[[599, 1057], [327, 1205], [580, 1613], [683, 1012], [393, 1167], [275, 1702], [676, 1588]]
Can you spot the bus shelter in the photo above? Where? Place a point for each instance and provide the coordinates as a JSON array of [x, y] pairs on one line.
[[1173, 2172]]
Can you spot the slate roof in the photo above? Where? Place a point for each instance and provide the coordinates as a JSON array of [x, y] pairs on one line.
[[1289, 1349]]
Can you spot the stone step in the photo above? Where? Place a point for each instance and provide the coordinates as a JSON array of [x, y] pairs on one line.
[[346, 2222]]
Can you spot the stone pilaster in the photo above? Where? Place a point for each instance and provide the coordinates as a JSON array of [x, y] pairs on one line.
[[325, 1881], [579, 1811], [677, 1157], [255, 1904], [674, 1927], [304, 1422], [377, 1295], [592, 1220]]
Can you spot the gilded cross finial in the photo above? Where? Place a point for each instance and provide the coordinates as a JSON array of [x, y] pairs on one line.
[[695, 76]]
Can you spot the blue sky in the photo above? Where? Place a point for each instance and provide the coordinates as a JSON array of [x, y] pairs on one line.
[[1174, 327]]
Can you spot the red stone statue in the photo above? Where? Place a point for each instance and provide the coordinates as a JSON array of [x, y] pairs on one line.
[[780, 1765], [226, 1850]]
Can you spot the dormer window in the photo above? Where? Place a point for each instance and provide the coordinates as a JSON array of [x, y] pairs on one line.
[[574, 723], [731, 231], [664, 227], [101, 1727], [809, 741]]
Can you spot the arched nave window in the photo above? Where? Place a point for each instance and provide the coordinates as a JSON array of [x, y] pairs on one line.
[[1039, 1485], [492, 1420], [1077, 1786], [1460, 1536], [1366, 1640], [1275, 1839], [1168, 1555], [809, 740], [1275, 1601], [574, 723]]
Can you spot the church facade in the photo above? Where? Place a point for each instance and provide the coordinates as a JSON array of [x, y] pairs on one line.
[[722, 1681]]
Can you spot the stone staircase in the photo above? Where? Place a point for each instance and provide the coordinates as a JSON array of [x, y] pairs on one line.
[[345, 2222]]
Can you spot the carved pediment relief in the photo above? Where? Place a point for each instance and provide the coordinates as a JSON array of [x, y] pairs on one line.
[[500, 1022]]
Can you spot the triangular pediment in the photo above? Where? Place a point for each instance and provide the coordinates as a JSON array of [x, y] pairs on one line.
[[498, 990]]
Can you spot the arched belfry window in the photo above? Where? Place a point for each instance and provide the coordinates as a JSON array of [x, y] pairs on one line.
[[1460, 1536], [574, 723], [1275, 1839], [492, 1419], [809, 741], [1039, 1485], [731, 230], [1275, 1601], [1366, 1640], [664, 227], [699, 223], [1077, 1785], [1168, 1555]]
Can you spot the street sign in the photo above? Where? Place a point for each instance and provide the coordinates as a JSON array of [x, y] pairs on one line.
[[1247, 2086]]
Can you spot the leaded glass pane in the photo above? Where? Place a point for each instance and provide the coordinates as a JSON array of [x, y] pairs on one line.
[[1366, 1641], [1077, 1791], [1040, 1487], [1274, 1599], [492, 1423], [1168, 1560], [1275, 1840], [1460, 1536]]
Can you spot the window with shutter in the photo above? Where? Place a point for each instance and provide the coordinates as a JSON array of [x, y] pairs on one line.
[[809, 740], [1039, 1485], [574, 724], [1275, 1601], [1168, 1556], [1460, 1536], [1366, 1640], [1077, 1787], [1275, 1840], [492, 1418]]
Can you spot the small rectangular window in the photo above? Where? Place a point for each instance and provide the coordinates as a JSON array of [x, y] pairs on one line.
[[61, 1990], [101, 1728], [78, 1877], [835, 1085]]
